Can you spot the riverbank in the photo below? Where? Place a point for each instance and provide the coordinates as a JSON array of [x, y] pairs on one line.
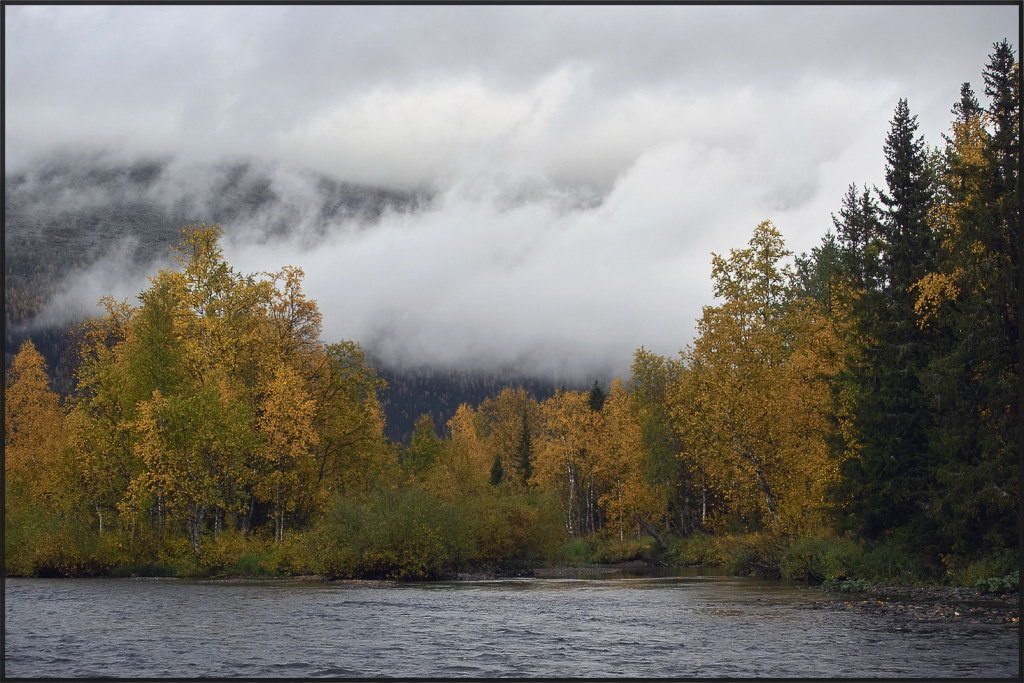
[[926, 604], [902, 605]]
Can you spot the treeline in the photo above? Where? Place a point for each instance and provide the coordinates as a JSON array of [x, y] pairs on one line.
[[849, 412]]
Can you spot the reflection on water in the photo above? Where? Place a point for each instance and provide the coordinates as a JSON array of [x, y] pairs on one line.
[[634, 623]]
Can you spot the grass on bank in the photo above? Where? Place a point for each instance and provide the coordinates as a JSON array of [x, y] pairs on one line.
[[409, 534]]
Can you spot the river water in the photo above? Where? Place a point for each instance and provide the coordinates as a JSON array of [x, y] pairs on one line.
[[677, 626]]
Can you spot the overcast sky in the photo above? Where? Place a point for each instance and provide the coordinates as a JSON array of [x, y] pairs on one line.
[[691, 123]]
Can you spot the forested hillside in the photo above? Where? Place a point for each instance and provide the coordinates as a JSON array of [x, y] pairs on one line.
[[71, 212], [849, 413]]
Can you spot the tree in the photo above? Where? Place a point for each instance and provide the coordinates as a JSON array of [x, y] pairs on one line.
[[625, 496], [497, 472], [818, 271], [564, 463], [887, 484], [351, 454], [34, 430], [1002, 85], [285, 424], [463, 471], [524, 454], [966, 303], [597, 397], [756, 391], [508, 423], [424, 447], [672, 472], [907, 242], [214, 403]]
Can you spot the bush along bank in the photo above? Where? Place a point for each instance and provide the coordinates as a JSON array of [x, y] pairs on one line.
[[842, 564]]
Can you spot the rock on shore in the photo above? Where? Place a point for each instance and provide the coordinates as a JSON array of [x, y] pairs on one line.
[[929, 604]]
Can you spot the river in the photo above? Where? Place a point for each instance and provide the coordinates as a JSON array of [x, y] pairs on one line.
[[608, 626]]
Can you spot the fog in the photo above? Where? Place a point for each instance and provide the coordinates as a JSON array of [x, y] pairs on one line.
[[577, 166]]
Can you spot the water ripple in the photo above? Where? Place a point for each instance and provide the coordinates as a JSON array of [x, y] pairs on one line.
[[711, 627]]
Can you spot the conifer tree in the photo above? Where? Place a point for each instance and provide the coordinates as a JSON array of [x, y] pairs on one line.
[[497, 473], [966, 303], [524, 454], [887, 484]]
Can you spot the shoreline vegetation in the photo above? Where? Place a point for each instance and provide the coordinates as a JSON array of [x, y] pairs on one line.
[[904, 605], [848, 417]]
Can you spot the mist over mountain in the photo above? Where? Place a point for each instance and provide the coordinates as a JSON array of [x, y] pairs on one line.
[[78, 227]]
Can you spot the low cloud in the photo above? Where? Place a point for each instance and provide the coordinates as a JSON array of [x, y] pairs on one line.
[[511, 270], [558, 176]]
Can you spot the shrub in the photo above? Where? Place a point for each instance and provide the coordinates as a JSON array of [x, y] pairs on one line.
[[846, 585], [890, 562], [997, 564], [577, 551], [757, 554], [815, 560], [1003, 584], [695, 550], [625, 550]]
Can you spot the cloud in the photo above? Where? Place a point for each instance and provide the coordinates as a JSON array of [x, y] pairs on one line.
[[581, 163], [558, 289], [400, 94]]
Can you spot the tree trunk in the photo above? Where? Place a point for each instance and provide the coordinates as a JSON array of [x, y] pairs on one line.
[[649, 528], [247, 518], [622, 521], [703, 503], [572, 491], [195, 525], [278, 514]]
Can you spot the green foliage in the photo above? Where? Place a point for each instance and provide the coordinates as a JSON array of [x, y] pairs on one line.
[[695, 550], [424, 447], [626, 550], [497, 472], [409, 533], [756, 554], [594, 550], [815, 560], [597, 397], [969, 572], [577, 551], [524, 454], [846, 585], [1003, 584], [891, 562]]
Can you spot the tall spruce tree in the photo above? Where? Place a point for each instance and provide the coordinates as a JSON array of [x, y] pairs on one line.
[[497, 472], [597, 397], [524, 453], [968, 303], [886, 486], [858, 231]]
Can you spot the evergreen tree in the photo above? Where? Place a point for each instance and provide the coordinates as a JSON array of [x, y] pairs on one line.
[[967, 303], [597, 397], [887, 485], [967, 108], [497, 472], [858, 231], [1002, 85], [907, 242], [524, 454], [817, 272]]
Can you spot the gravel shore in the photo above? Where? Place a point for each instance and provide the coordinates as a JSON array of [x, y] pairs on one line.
[[928, 604]]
